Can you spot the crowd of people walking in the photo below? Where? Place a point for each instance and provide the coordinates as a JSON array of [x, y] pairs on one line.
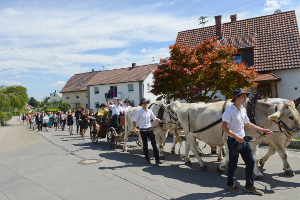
[[41, 120]]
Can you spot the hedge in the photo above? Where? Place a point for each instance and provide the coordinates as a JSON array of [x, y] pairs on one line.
[[53, 110]]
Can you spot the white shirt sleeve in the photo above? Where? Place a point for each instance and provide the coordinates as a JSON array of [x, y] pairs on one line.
[[226, 117], [152, 116]]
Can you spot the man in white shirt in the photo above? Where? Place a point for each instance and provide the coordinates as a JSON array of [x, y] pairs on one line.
[[144, 116], [117, 110], [234, 119], [126, 106]]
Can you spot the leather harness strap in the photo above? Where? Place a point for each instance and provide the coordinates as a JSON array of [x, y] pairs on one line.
[[210, 125]]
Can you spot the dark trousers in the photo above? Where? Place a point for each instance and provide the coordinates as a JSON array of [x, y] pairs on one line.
[[149, 133], [246, 153], [115, 120], [79, 123], [39, 123], [63, 123]]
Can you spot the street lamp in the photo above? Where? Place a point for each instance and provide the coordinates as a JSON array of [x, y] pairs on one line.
[[5, 69]]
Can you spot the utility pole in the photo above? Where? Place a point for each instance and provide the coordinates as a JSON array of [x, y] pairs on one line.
[[202, 20]]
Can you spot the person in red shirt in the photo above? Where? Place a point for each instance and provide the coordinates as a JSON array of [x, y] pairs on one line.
[[30, 121]]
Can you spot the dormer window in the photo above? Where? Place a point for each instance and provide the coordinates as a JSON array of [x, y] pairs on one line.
[[80, 84]]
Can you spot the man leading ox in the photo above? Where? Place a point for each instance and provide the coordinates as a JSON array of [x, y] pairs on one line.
[[234, 119]]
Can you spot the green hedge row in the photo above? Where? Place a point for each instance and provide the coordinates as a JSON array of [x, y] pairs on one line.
[[53, 110]]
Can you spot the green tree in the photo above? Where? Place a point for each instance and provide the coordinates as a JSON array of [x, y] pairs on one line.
[[64, 107], [198, 73], [33, 102], [45, 101], [13, 96]]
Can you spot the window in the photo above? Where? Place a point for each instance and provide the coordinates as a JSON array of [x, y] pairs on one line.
[[86, 106], [80, 84], [77, 95], [87, 94], [67, 96], [113, 89], [96, 89], [130, 87], [148, 87], [97, 105], [237, 59]]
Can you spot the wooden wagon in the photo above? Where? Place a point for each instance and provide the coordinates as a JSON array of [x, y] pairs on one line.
[[113, 134]]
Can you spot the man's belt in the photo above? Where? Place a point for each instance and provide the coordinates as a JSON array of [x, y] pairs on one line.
[[145, 129]]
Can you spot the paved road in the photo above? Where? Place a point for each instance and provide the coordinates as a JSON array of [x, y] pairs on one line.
[[45, 165]]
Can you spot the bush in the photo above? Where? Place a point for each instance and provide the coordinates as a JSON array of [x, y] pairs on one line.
[[53, 110], [3, 115]]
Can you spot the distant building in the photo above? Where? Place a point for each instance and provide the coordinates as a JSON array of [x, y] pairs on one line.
[[54, 97], [132, 82], [90, 89]]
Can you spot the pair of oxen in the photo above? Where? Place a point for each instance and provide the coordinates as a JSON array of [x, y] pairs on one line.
[[202, 121]]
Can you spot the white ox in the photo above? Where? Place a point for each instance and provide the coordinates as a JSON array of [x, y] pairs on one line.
[[196, 117], [159, 109], [173, 109]]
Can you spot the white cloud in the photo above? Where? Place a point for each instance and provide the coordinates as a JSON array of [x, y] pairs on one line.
[[145, 51], [58, 83], [272, 5], [9, 12], [12, 83]]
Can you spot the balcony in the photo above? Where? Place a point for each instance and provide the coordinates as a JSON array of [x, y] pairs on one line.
[[115, 96]]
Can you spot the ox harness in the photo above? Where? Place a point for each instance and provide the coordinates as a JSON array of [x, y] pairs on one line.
[[251, 115], [160, 115], [208, 126]]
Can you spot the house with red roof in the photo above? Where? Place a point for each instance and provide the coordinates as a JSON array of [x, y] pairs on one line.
[[132, 83], [269, 43], [89, 90]]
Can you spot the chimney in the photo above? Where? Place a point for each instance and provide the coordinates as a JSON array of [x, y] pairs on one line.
[[218, 26], [93, 70], [233, 18], [55, 91], [133, 65]]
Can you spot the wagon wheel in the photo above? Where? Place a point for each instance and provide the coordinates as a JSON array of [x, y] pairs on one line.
[[112, 137], [136, 138], [93, 133]]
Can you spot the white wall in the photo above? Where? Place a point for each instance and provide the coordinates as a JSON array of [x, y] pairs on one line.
[[290, 80], [146, 94], [121, 87]]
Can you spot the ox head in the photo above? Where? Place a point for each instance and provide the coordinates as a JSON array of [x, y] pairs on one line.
[[173, 107], [288, 114]]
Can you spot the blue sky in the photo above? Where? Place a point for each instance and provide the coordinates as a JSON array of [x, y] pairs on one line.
[[48, 41]]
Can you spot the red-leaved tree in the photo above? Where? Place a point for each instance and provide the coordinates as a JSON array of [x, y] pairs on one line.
[[198, 73]]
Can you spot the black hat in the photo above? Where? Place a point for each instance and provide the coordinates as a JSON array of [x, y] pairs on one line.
[[127, 100], [237, 92], [143, 100], [102, 104]]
